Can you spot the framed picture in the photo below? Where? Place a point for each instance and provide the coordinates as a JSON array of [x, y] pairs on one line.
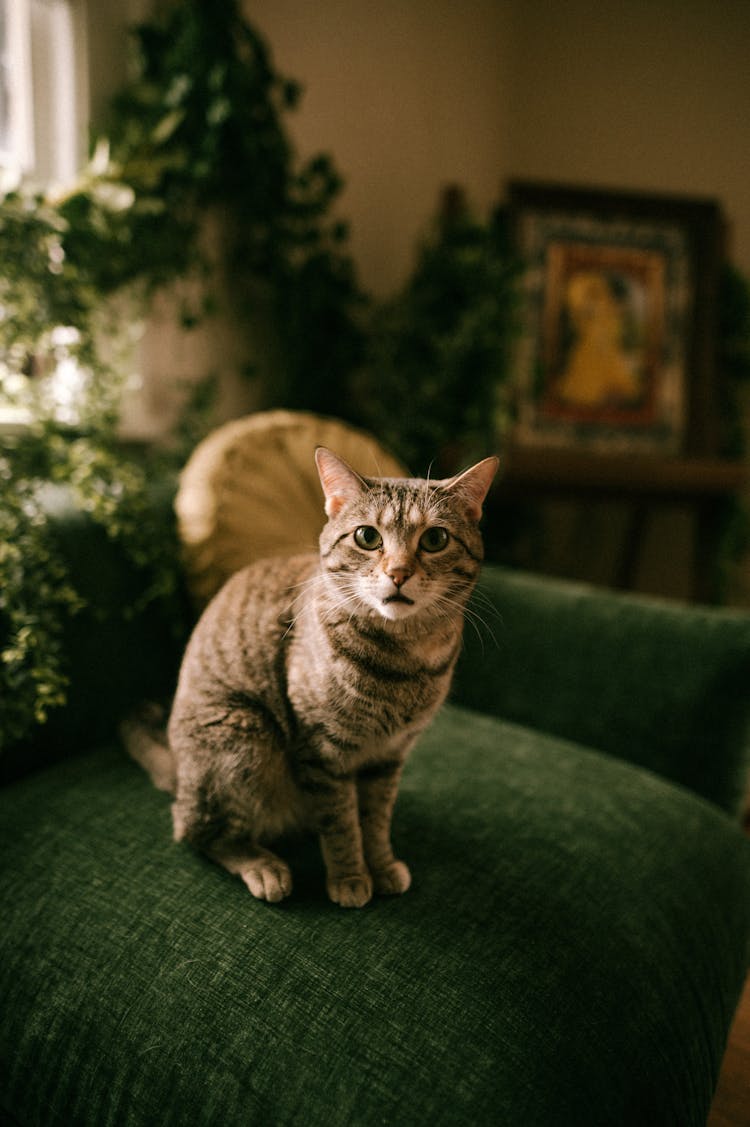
[[619, 319]]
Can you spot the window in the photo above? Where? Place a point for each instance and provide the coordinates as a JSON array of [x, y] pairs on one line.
[[43, 96], [16, 130], [42, 89]]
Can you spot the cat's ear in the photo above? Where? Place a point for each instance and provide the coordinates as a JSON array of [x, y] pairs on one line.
[[340, 482], [473, 485]]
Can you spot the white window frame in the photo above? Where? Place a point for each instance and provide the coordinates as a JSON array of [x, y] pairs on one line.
[[44, 64], [17, 154], [45, 75]]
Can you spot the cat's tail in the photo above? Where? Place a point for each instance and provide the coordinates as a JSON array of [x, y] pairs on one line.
[[144, 734]]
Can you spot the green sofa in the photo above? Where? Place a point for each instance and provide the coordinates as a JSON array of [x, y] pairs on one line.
[[571, 951]]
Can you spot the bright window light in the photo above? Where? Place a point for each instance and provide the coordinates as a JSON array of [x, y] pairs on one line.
[[42, 89], [16, 98], [43, 94]]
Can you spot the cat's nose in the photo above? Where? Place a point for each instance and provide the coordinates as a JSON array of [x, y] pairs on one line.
[[399, 575]]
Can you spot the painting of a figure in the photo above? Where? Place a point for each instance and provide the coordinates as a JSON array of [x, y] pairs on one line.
[[603, 333], [599, 369], [617, 319]]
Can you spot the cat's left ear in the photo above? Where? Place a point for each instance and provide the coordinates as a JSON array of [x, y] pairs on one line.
[[340, 482], [473, 485]]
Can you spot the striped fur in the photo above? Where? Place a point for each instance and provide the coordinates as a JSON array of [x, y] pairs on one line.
[[308, 679]]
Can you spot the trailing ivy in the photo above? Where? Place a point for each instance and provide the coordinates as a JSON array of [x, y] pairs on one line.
[[201, 129], [198, 129], [36, 597]]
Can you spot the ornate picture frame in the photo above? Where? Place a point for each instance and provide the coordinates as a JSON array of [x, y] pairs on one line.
[[619, 319]]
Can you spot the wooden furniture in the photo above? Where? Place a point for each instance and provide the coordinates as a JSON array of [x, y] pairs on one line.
[[731, 1103], [646, 482]]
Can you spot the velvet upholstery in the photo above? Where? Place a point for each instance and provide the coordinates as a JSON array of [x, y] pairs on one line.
[[571, 950], [570, 953], [650, 681]]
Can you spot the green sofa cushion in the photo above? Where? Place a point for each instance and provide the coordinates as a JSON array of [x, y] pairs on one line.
[[570, 953], [656, 683]]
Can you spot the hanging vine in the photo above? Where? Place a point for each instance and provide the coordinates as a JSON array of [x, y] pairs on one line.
[[200, 126]]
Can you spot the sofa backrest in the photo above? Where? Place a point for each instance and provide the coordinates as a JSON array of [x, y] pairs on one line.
[[660, 684]]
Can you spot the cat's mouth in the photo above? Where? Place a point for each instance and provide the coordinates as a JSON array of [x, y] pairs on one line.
[[399, 598]]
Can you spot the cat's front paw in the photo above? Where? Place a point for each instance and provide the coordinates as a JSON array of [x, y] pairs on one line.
[[268, 878], [393, 879], [351, 892]]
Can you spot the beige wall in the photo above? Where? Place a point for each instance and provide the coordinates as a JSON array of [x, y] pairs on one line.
[[408, 97], [651, 94], [106, 43]]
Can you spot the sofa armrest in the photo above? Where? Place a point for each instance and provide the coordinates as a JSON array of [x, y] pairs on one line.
[[662, 685]]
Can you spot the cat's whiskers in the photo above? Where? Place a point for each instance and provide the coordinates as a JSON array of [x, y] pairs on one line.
[[481, 602], [427, 487], [450, 607], [329, 610], [303, 588], [485, 602], [305, 584], [348, 596]]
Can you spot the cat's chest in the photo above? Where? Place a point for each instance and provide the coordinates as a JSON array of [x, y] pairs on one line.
[[369, 684]]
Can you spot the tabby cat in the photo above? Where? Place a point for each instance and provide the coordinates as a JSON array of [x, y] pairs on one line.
[[308, 679]]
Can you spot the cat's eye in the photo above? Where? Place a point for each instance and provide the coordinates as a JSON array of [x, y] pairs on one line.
[[368, 537], [433, 539]]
